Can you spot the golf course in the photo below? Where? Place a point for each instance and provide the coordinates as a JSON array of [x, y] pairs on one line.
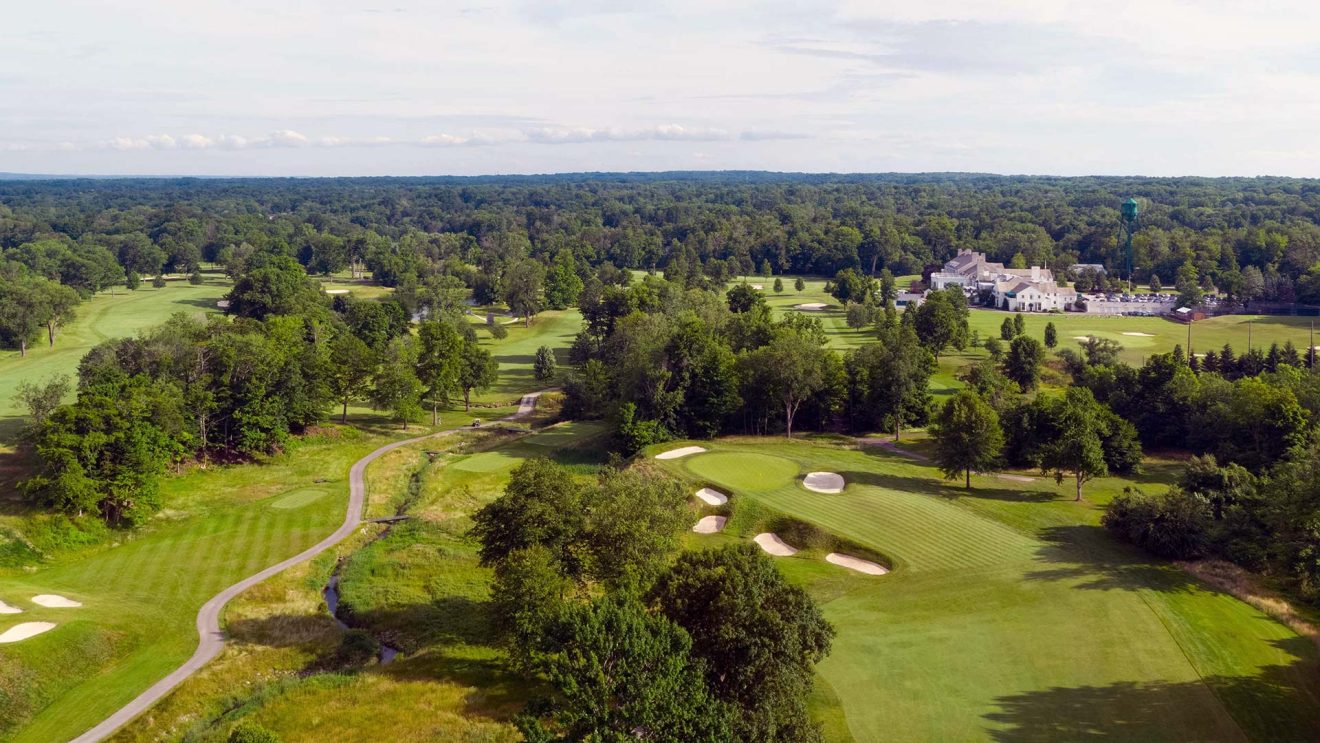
[[1008, 614]]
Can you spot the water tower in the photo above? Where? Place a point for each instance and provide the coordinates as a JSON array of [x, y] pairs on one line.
[[1129, 226]]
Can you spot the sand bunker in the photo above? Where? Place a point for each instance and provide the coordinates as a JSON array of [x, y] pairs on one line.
[[1140, 335], [710, 525], [712, 497], [856, 563], [773, 545], [757, 286], [7, 609], [1081, 337], [222, 304], [336, 291], [25, 630], [52, 601], [680, 452], [823, 482], [811, 306], [1017, 478]]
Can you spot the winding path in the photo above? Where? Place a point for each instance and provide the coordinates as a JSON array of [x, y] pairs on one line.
[[212, 638]]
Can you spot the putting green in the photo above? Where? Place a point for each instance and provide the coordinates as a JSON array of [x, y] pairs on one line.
[[743, 470], [298, 498]]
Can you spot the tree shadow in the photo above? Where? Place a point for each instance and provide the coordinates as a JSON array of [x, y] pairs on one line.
[[208, 304], [498, 691], [1277, 703], [521, 359], [946, 489], [11, 429], [1091, 555], [446, 620]]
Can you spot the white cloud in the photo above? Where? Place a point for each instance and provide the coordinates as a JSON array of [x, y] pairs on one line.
[[1062, 86]]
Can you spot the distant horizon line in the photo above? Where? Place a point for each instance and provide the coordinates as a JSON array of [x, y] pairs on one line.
[[24, 176]]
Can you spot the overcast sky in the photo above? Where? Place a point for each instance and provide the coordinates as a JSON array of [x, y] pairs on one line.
[[397, 87]]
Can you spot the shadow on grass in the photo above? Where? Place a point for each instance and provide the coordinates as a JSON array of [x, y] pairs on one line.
[[947, 489], [1278, 703], [412, 627], [1090, 555], [498, 692], [202, 302]]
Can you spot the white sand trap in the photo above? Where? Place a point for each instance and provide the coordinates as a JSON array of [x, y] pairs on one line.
[[1140, 335], [773, 545], [7, 609], [52, 601], [856, 563], [25, 630], [680, 452], [1081, 337], [1017, 478], [712, 497], [222, 304], [710, 525], [757, 286], [336, 291], [823, 482], [810, 306]]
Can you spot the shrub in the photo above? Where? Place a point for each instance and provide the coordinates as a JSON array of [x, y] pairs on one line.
[[498, 331], [1171, 525], [158, 281], [251, 732], [356, 648], [544, 366], [196, 278]]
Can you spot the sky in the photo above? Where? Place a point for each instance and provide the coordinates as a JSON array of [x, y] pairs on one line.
[[396, 87]]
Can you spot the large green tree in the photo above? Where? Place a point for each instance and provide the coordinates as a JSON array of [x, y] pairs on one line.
[[521, 288], [1078, 449], [967, 437], [759, 635], [352, 363], [621, 673], [941, 322], [1023, 362], [477, 371]]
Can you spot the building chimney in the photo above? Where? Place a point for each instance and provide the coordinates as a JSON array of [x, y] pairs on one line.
[[1035, 273]]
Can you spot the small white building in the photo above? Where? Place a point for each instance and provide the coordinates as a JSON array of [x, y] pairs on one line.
[[903, 299], [1032, 296]]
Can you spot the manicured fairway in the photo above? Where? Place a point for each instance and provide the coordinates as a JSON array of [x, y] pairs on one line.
[[1010, 615], [553, 328], [1161, 334], [103, 316]]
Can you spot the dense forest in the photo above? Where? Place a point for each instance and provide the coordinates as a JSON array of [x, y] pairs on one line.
[[714, 224]]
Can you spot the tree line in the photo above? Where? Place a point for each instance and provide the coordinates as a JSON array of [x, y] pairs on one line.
[[664, 360], [1248, 238]]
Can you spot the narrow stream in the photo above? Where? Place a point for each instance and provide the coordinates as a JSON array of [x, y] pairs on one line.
[[331, 593], [331, 590]]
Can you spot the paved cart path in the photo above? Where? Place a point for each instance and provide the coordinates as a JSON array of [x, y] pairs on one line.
[[212, 639]]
